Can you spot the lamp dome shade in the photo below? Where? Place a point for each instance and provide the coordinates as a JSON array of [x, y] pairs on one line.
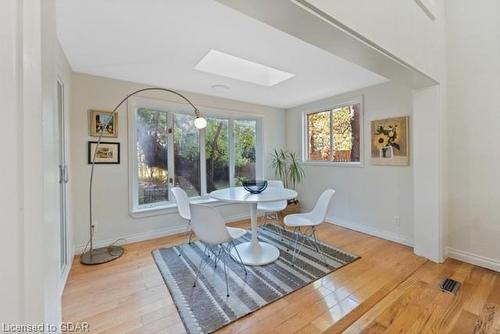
[[200, 123]]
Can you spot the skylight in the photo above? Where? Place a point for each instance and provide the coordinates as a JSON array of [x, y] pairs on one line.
[[220, 63]]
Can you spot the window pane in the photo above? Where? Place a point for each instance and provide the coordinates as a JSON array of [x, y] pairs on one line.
[[187, 155], [152, 157], [318, 129], [346, 133], [245, 136], [217, 154]]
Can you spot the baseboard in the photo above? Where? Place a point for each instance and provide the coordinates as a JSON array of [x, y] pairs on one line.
[[142, 236], [401, 239], [475, 259]]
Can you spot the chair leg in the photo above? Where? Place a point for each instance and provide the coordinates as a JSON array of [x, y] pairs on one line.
[[225, 275], [239, 257], [318, 245], [290, 240], [190, 233], [188, 230], [296, 248], [306, 238], [203, 261], [217, 256], [282, 225]]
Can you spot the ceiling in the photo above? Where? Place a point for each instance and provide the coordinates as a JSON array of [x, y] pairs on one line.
[[159, 42]]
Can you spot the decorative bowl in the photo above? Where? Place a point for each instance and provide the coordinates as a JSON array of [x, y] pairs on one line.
[[255, 186]]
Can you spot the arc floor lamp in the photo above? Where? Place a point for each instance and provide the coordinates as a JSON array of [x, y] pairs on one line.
[[112, 252]]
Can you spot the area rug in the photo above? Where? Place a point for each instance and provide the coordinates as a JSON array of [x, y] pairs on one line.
[[206, 308]]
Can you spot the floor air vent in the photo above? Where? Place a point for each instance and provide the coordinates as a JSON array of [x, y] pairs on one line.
[[449, 285]]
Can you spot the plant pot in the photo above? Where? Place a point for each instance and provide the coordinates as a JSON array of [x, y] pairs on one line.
[[292, 207]]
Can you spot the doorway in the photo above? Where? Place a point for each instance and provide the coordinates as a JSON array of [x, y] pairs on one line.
[[63, 179]]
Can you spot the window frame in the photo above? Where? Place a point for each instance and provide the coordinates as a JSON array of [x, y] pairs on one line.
[[327, 107], [172, 108]]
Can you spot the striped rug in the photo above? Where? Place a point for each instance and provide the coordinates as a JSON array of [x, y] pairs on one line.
[[205, 308]]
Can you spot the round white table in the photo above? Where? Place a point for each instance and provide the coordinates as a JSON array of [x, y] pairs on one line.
[[255, 252]]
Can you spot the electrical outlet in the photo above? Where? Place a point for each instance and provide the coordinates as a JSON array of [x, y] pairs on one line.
[[397, 221]]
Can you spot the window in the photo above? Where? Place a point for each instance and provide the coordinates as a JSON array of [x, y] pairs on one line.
[[170, 151], [334, 135], [152, 157], [187, 155], [245, 137], [217, 153]]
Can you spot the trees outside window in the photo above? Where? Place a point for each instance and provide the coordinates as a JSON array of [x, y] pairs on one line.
[[334, 135], [152, 156], [245, 137], [217, 153], [169, 151]]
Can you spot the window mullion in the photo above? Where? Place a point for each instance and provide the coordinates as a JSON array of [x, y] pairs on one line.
[[203, 162], [232, 152], [170, 152], [332, 153], [133, 162], [259, 166]]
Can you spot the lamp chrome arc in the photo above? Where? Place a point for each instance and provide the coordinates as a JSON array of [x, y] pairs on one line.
[[112, 252]]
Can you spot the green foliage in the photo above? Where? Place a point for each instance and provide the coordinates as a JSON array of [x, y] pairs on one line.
[[279, 164], [295, 170], [240, 179], [245, 135], [186, 139], [287, 167], [320, 133], [152, 145], [152, 138], [342, 129]]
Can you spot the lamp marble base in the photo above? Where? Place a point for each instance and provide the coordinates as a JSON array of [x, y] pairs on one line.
[[101, 255]]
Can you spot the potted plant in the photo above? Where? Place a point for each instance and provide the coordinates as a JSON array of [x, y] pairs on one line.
[[288, 168]]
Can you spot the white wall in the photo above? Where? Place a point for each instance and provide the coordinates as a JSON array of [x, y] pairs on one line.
[[399, 41], [399, 27], [50, 132], [473, 48], [29, 218], [11, 173], [368, 198], [111, 181]]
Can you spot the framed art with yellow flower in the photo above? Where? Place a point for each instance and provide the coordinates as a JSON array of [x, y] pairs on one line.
[[389, 141], [103, 121]]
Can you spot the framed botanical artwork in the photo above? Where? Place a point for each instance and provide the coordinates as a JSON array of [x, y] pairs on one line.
[[107, 152], [103, 121], [389, 141]]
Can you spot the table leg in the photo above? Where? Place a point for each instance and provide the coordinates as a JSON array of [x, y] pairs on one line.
[[255, 252]]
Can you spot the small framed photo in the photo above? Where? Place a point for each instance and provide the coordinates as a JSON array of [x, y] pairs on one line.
[[103, 122], [107, 153]]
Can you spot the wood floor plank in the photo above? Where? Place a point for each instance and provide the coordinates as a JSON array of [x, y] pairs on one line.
[[388, 290]]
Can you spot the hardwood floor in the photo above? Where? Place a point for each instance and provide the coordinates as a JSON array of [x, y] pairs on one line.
[[388, 290]]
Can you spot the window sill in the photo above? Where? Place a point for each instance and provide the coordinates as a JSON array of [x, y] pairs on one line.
[[333, 164], [172, 208]]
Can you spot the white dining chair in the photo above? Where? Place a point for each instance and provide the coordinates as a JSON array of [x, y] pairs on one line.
[[304, 224], [182, 200], [271, 210], [209, 226]]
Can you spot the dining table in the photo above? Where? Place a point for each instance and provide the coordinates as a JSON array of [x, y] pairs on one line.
[[254, 252]]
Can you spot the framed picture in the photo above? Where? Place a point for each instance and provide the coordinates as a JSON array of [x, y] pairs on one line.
[[107, 153], [102, 121], [389, 141]]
